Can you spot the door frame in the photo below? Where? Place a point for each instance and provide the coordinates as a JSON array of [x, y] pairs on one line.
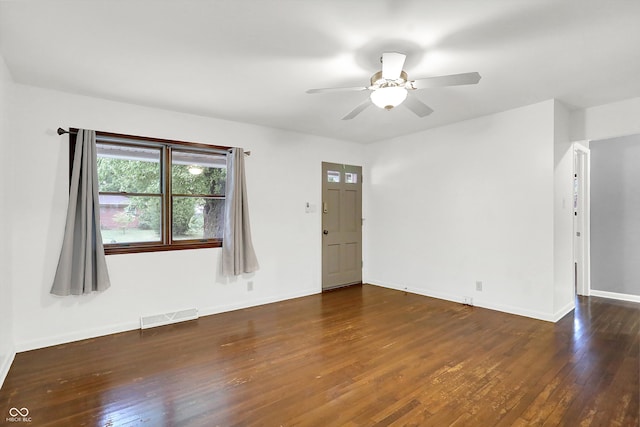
[[582, 247]]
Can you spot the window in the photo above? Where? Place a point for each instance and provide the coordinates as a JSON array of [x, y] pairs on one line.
[[197, 192], [333, 176], [159, 195], [351, 177]]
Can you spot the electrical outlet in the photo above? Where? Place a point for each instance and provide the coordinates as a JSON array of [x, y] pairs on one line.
[[468, 301], [479, 286], [250, 286]]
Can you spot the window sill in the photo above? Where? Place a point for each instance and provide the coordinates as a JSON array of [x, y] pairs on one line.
[[134, 249]]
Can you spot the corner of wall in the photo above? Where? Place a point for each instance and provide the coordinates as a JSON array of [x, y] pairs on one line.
[[577, 120], [5, 365], [563, 296], [7, 345], [606, 121], [563, 311]]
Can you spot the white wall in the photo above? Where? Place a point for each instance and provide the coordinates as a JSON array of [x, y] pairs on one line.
[[563, 270], [472, 201], [606, 121], [283, 173], [6, 312], [483, 199]]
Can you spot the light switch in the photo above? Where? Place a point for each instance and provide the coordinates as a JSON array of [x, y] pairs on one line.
[[309, 207]]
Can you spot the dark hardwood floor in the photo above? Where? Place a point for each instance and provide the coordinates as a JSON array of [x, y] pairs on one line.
[[357, 356]]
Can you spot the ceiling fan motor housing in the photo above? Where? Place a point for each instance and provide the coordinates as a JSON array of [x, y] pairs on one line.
[[378, 82]]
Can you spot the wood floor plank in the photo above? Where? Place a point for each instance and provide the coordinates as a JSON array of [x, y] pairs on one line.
[[358, 356]]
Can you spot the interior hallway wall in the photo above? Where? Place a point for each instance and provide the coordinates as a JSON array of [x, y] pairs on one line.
[[615, 215]]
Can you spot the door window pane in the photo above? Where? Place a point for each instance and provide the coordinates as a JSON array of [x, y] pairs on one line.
[[351, 177], [333, 176]]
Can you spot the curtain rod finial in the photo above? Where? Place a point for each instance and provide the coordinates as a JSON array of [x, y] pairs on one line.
[[61, 131]]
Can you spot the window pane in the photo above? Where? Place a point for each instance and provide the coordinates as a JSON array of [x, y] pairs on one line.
[[198, 173], [128, 169], [197, 218], [351, 177], [126, 219], [333, 176]]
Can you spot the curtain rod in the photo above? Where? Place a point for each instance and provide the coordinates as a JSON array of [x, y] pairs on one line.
[[63, 131]]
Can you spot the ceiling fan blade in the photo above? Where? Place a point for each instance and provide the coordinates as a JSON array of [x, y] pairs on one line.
[[337, 89], [359, 109], [392, 63], [419, 108], [450, 80]]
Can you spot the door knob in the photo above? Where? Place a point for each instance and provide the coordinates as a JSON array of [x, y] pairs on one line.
[[325, 232]]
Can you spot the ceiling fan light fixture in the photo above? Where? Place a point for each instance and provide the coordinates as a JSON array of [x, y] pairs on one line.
[[388, 97]]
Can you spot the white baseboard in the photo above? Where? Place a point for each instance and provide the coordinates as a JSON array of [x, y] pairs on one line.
[[76, 336], [614, 295], [564, 311], [133, 325], [423, 292], [5, 365], [519, 311], [255, 303], [538, 315]]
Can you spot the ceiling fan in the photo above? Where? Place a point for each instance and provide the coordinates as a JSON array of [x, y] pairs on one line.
[[390, 87]]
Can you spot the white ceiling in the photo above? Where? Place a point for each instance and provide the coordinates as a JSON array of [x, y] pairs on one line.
[[252, 60]]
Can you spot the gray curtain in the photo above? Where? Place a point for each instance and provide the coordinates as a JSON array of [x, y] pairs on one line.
[[82, 266], [238, 255]]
